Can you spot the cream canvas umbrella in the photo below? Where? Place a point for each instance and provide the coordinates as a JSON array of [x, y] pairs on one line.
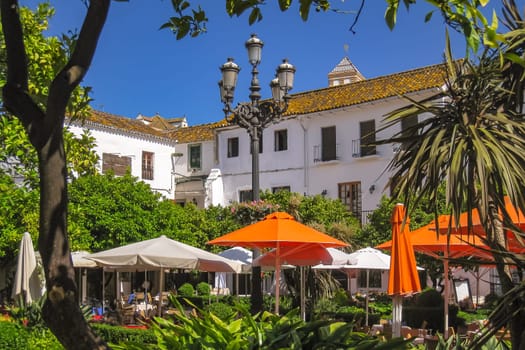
[[27, 283], [160, 254]]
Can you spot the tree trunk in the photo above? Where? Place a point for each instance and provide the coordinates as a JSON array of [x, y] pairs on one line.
[[496, 239], [61, 311]]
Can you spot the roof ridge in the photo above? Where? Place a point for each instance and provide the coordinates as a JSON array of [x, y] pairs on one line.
[[368, 80]]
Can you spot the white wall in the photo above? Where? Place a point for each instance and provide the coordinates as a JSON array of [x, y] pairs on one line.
[[132, 145], [296, 168]]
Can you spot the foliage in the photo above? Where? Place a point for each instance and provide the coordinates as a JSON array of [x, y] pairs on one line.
[[13, 336], [29, 315], [247, 213], [221, 310], [474, 316], [473, 136], [47, 56], [116, 334], [186, 290], [429, 297], [455, 342], [133, 212], [43, 339], [203, 330], [203, 288]]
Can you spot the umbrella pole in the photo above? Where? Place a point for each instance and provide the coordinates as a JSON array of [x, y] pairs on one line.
[[161, 289], [397, 312], [447, 294], [103, 289], [303, 308], [277, 278], [366, 297]]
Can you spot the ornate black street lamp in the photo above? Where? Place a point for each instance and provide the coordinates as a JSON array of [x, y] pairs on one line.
[[256, 115]]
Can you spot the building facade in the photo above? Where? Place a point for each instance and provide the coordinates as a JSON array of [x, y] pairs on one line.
[[125, 144], [325, 142]]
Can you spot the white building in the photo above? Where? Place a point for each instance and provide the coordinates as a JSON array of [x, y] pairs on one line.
[[320, 146], [125, 144]]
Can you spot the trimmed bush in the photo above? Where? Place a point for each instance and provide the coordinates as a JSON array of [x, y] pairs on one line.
[[203, 288], [117, 334], [186, 290], [13, 336], [221, 310]]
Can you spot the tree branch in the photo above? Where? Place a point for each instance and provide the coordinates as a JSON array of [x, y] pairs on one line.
[[15, 92], [75, 70]]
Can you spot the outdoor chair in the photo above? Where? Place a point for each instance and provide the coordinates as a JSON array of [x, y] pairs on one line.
[[127, 314]]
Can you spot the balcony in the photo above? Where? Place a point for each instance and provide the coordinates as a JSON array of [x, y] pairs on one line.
[[330, 154], [360, 151]]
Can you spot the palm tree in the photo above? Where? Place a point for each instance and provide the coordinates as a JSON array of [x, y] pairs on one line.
[[471, 135]]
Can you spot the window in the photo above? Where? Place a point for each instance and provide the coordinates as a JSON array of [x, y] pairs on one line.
[[368, 137], [115, 163], [328, 146], [280, 188], [194, 154], [350, 194], [407, 124], [233, 147], [281, 140], [147, 165], [245, 196], [408, 128], [374, 278]]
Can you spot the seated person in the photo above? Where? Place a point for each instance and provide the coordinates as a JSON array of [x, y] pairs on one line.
[[131, 297]]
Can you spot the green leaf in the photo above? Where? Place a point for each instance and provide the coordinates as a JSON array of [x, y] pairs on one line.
[[391, 13], [304, 9], [284, 4], [255, 16]]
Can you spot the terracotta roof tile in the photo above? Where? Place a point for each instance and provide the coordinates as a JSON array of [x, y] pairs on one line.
[[367, 90], [197, 133], [112, 121], [301, 103]]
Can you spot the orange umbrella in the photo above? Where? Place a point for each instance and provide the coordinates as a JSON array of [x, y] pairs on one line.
[[515, 215], [277, 230], [403, 279], [298, 256], [426, 240]]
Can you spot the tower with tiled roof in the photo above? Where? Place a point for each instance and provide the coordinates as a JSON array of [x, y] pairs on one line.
[[344, 73]]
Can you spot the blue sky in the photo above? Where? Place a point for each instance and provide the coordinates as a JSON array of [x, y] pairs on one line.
[[141, 69]]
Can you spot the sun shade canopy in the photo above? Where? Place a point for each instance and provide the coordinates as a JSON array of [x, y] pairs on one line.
[[277, 228], [163, 252]]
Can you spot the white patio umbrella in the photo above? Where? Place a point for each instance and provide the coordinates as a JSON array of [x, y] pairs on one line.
[[237, 254], [163, 253], [368, 259], [27, 283]]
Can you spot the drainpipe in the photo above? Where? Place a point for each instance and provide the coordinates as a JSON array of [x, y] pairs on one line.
[[303, 121]]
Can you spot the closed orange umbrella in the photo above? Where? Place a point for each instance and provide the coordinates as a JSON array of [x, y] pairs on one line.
[[277, 230], [403, 279]]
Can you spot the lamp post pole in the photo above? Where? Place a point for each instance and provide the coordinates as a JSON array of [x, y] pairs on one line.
[[254, 116]]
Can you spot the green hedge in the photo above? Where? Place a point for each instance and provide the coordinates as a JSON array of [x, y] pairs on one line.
[[15, 336], [118, 334], [434, 316]]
